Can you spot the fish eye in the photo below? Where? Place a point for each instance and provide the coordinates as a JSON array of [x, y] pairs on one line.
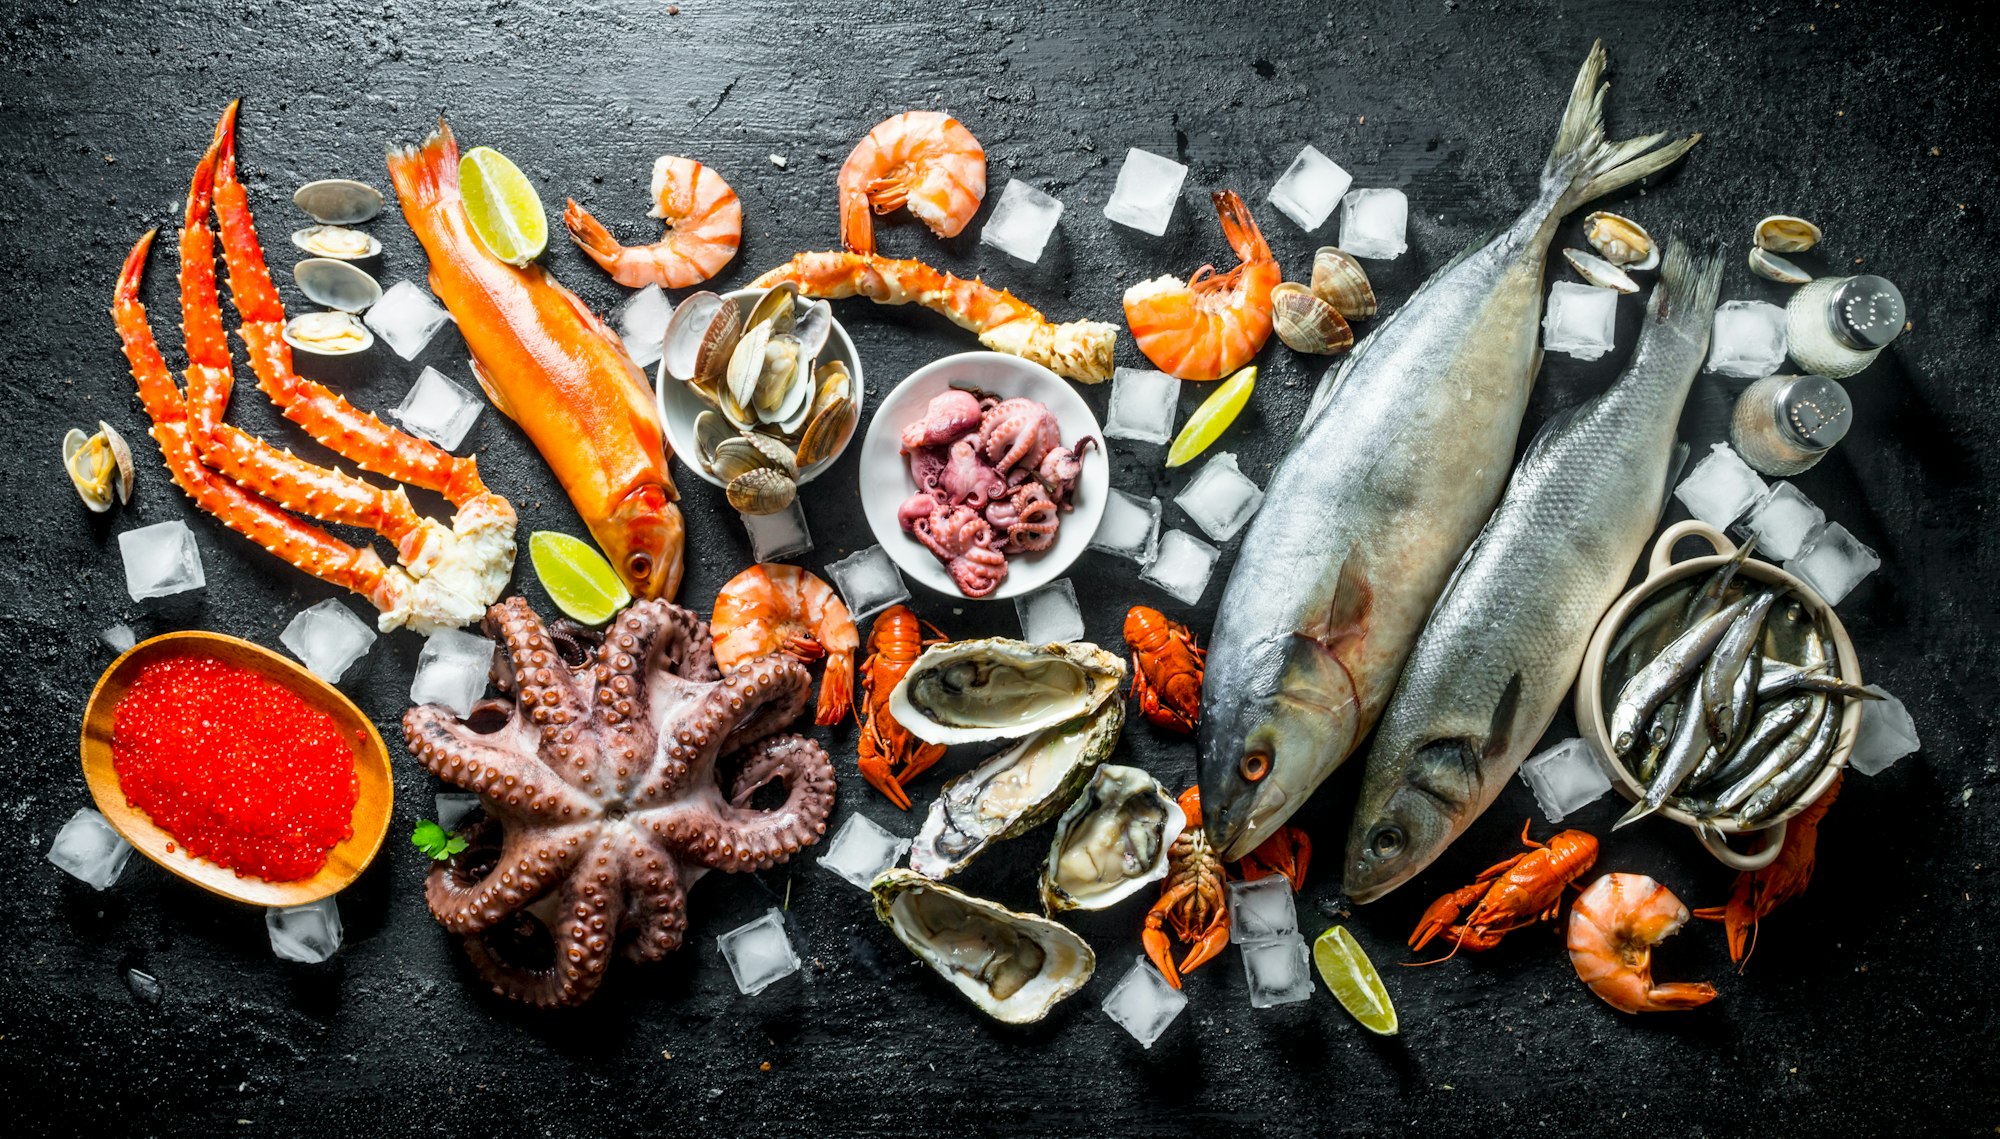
[[639, 566], [1256, 765], [1386, 841]]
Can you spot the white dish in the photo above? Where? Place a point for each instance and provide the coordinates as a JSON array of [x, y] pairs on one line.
[[886, 483], [678, 406]]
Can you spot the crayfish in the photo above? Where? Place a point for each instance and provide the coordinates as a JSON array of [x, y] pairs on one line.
[[1166, 669], [1758, 892], [1191, 900], [1508, 895], [889, 755]]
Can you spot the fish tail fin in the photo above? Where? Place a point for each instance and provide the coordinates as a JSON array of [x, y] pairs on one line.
[[1588, 163], [1690, 282], [1639, 810]]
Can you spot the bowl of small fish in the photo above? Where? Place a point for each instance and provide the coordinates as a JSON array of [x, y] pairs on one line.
[[1722, 693], [759, 390]]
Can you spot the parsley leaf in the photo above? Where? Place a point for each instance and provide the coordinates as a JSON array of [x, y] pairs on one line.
[[435, 841]]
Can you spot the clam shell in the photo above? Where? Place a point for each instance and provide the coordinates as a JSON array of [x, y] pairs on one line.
[[792, 415], [746, 369], [1772, 267], [1001, 689], [1620, 240], [710, 429], [1783, 233], [336, 284], [1306, 323], [338, 201], [337, 242], [1599, 272], [978, 946], [735, 456], [701, 334], [814, 326], [1340, 281], [785, 367], [90, 470], [834, 382], [775, 454], [762, 491], [328, 334], [1111, 842], [778, 308], [829, 428], [121, 455]]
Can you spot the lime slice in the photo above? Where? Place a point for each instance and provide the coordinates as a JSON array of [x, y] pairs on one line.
[[1355, 984], [578, 579], [1213, 417], [503, 207]]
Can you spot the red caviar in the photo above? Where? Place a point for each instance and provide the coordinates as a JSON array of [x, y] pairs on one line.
[[239, 769]]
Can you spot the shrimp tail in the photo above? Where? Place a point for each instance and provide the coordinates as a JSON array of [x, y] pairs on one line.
[[1590, 165], [590, 236], [836, 689], [1239, 228], [1677, 995]]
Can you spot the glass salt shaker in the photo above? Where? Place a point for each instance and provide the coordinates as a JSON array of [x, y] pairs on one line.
[[1838, 325], [1782, 425]]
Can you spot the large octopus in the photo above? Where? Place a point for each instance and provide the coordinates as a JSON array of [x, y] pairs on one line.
[[615, 777]]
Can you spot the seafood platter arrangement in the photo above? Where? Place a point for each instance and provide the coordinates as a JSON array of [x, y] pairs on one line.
[[1404, 594]]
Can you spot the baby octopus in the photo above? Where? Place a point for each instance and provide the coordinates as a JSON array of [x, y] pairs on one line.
[[993, 479], [612, 779]]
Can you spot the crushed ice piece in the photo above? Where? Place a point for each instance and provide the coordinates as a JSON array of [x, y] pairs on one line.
[[309, 933], [1279, 971], [1129, 528], [1021, 221], [861, 850], [774, 537], [1309, 189], [452, 807], [1182, 566], [642, 324], [452, 671], [1147, 188], [1833, 563], [1050, 614], [406, 318], [1720, 487], [161, 560], [1565, 778], [1220, 497], [89, 850], [438, 409], [868, 582], [1143, 405], [1374, 223], [1747, 340], [1143, 1004], [328, 638], [1887, 734], [1261, 909], [1784, 522], [119, 639], [759, 953], [1581, 320]]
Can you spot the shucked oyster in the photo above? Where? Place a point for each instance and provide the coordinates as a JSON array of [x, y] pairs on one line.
[[1015, 967], [1112, 841], [1000, 689]]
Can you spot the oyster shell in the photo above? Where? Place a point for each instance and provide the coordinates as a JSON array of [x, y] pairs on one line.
[[1308, 324], [328, 334], [1340, 281], [1597, 271], [1772, 267], [1013, 791], [338, 201], [1111, 841], [1001, 689], [336, 284], [336, 241], [1014, 966], [1783, 233], [1621, 241]]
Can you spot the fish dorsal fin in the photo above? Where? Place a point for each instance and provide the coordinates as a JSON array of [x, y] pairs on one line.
[[491, 389], [1345, 619]]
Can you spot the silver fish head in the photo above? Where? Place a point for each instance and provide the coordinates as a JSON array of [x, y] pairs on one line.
[[1269, 738], [1394, 838]]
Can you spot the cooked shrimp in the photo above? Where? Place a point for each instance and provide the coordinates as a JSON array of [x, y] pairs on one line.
[[704, 227], [772, 608], [1080, 349], [1208, 326], [925, 160], [1613, 928]]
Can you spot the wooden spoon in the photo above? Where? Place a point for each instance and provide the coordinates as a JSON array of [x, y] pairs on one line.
[[371, 770]]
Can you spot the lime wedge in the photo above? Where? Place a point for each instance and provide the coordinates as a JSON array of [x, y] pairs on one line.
[[1355, 984], [1213, 417], [578, 579], [503, 207]]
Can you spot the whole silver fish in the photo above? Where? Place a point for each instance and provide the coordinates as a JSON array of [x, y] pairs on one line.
[[1503, 645], [1397, 463]]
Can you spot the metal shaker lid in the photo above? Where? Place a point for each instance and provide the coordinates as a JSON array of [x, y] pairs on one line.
[[1814, 411], [1866, 312]]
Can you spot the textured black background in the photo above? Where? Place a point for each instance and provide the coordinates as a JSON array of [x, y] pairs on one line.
[[1869, 1004]]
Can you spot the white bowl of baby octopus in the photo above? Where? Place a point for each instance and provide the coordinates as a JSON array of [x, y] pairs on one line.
[[886, 482]]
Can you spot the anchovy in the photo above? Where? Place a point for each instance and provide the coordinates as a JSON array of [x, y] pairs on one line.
[[1771, 726], [1398, 462], [1787, 785], [1708, 599], [1729, 683], [1691, 740], [1503, 645], [1666, 673], [1781, 757], [1779, 677]]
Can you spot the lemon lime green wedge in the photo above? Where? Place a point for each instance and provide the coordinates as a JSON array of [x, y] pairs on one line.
[[1355, 984], [504, 209], [578, 579], [1213, 417]]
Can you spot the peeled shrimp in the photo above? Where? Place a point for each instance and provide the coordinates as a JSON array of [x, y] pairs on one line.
[[704, 227], [925, 160], [1210, 325], [1613, 928], [772, 608]]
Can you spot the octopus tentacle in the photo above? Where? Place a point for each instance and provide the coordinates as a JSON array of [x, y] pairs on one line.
[[496, 765], [734, 838], [528, 864], [589, 907], [787, 689], [656, 915], [546, 693]]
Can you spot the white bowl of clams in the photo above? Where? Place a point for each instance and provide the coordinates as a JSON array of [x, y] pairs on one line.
[[759, 392]]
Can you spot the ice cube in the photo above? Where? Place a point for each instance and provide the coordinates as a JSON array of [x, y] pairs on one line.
[[308, 933], [451, 807], [1747, 340], [118, 638], [89, 850], [1220, 497], [1143, 404], [145, 988], [1050, 614], [452, 671], [439, 410], [1720, 487], [406, 318], [1147, 188], [1261, 909], [1581, 320], [642, 324], [1143, 1004], [1021, 221], [1130, 527], [328, 638], [1565, 778], [161, 560], [1182, 565], [759, 953], [1887, 734], [780, 535], [1833, 563], [862, 849], [1784, 522], [1374, 223], [1279, 971], [1309, 189], [868, 581]]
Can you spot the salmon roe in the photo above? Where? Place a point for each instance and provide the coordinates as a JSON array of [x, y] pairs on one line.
[[238, 768]]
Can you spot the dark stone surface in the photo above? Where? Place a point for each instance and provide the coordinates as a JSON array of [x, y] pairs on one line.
[[1869, 1004]]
